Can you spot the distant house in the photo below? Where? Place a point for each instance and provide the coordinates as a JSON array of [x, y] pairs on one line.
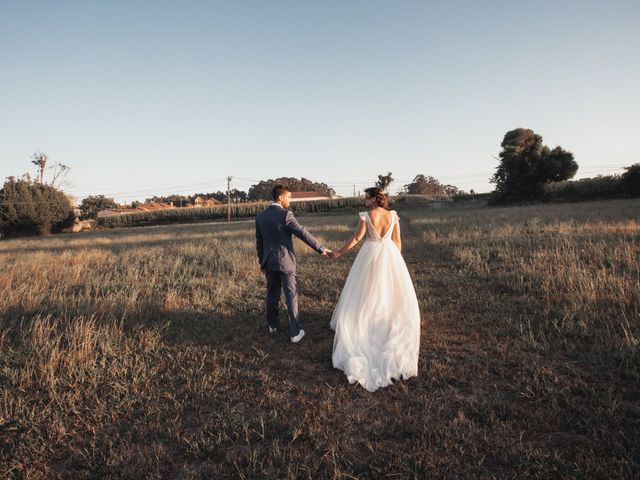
[[144, 207], [205, 202], [147, 207], [112, 212], [308, 196]]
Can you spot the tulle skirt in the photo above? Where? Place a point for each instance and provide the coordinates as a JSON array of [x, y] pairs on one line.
[[377, 319]]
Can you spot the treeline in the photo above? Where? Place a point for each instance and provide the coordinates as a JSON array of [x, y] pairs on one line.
[[235, 195], [528, 171], [602, 187], [258, 192], [219, 212]]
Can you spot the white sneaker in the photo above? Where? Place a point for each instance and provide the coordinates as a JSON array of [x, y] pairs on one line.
[[298, 337], [272, 329]]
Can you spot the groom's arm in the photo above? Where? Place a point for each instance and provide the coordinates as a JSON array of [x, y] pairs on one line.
[[299, 231], [259, 244]]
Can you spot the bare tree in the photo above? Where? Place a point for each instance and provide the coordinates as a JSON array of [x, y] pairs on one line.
[[40, 161], [384, 181], [60, 171]]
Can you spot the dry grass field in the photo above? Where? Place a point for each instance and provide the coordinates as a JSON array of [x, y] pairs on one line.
[[143, 353]]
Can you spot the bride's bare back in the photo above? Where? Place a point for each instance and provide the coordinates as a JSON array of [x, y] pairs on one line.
[[381, 220]]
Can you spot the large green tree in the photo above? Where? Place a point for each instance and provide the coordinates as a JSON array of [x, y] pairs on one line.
[[526, 164], [31, 207], [262, 190]]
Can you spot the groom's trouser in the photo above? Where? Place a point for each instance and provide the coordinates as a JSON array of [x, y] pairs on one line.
[[276, 282]]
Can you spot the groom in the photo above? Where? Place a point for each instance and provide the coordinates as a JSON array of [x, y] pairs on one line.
[[274, 227]]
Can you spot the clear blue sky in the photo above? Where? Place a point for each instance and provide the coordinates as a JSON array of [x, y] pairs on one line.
[[171, 97]]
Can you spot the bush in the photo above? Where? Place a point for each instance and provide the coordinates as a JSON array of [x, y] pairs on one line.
[[601, 187], [630, 179], [28, 207], [598, 188]]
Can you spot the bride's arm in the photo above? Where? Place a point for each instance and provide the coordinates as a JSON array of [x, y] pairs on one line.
[[395, 236], [353, 241]]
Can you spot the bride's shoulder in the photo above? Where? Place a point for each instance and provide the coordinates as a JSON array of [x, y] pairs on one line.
[[362, 215]]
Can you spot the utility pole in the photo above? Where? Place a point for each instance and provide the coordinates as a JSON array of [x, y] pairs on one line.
[[354, 189], [229, 199]]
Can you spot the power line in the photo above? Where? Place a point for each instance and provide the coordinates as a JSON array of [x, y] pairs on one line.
[[169, 189], [152, 192], [146, 187], [166, 183]]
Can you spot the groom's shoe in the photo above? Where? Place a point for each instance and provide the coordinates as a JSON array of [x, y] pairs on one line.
[[272, 329], [298, 337]]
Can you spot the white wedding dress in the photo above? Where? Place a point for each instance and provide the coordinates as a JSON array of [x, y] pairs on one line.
[[377, 318]]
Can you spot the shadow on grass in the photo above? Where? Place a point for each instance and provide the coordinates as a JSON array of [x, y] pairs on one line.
[[236, 229]]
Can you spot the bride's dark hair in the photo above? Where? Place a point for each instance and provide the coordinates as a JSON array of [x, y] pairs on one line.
[[379, 195]]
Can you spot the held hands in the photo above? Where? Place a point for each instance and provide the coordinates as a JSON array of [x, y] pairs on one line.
[[331, 254]]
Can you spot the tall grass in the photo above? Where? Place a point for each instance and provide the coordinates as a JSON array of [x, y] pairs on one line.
[[130, 353]]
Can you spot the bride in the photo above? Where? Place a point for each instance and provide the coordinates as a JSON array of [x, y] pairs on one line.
[[377, 318]]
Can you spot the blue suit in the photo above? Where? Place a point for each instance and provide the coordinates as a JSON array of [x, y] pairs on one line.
[[275, 227]]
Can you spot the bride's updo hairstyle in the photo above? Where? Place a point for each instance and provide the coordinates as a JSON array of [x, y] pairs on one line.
[[379, 195]]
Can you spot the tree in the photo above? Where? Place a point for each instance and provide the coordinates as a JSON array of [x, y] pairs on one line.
[[423, 185], [238, 196], [630, 179], [40, 161], [526, 165], [451, 190], [31, 207], [174, 199], [60, 171], [262, 190], [384, 181], [91, 205]]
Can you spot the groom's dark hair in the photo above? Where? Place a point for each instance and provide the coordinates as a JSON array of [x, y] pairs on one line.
[[278, 190]]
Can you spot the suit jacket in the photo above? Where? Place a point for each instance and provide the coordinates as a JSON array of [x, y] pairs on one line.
[[274, 242]]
